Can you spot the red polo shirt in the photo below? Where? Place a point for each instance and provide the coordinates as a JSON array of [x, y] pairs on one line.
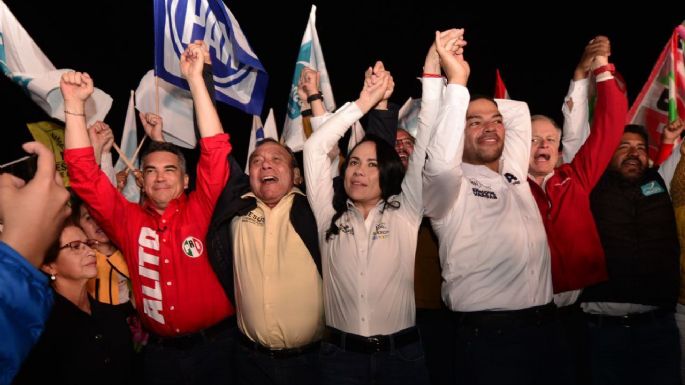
[[175, 289]]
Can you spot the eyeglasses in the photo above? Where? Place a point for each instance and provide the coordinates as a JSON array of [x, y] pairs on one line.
[[80, 245], [404, 143], [538, 140]]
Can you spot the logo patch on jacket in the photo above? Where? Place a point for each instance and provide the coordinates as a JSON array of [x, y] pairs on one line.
[[481, 190], [192, 247], [252, 218], [380, 232], [651, 188]]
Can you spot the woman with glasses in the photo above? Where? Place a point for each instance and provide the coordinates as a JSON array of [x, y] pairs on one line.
[[85, 341]]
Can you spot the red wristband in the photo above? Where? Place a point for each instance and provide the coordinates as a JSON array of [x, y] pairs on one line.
[[427, 75], [607, 67]]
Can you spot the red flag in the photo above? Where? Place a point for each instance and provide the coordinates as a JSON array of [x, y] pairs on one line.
[[500, 89], [662, 98]]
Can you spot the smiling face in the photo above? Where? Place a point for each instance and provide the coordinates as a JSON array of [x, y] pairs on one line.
[[404, 145], [484, 134], [362, 177], [630, 158], [271, 173], [73, 264], [163, 178], [544, 149]]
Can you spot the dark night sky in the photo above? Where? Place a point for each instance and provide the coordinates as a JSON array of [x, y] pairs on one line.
[[113, 41]]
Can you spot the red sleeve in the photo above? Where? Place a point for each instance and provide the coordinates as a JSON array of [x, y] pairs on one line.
[[108, 206], [605, 134], [212, 173], [664, 152]]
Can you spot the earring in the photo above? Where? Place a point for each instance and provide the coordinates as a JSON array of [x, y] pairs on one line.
[[52, 277]]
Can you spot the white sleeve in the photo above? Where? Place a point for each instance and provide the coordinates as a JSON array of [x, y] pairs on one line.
[[318, 121], [667, 169], [412, 184], [442, 172], [517, 135], [317, 168], [576, 127]]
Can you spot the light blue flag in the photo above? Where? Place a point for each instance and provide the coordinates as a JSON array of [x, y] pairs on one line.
[[239, 78]]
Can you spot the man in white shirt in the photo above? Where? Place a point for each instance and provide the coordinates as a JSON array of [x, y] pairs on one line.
[[493, 248]]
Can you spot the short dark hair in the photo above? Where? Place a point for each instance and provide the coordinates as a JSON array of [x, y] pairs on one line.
[[54, 249], [165, 147], [274, 141], [475, 97], [390, 175], [637, 129]]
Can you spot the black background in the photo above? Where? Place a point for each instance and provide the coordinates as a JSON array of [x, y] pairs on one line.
[[535, 48]]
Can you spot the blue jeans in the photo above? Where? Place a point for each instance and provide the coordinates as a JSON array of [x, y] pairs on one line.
[[646, 352], [209, 362], [405, 365], [254, 367]]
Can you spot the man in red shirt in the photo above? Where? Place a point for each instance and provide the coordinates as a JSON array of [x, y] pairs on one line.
[[177, 294]]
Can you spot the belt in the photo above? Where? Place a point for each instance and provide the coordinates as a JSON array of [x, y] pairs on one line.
[[278, 353], [189, 341], [627, 320], [374, 344], [503, 319]]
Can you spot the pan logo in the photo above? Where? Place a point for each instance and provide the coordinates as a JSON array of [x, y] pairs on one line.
[[187, 21]]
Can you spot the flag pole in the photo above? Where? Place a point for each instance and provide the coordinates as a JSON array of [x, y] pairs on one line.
[[123, 157]]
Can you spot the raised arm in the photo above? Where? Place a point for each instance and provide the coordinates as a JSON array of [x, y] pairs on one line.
[[607, 126], [668, 168], [576, 109], [316, 162], [192, 63], [442, 172]]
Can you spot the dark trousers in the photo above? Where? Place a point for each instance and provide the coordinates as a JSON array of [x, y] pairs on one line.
[[262, 368], [205, 360], [396, 366], [509, 347], [574, 343], [644, 350], [437, 338]]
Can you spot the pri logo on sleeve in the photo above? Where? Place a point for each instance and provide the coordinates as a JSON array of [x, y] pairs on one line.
[[192, 247]]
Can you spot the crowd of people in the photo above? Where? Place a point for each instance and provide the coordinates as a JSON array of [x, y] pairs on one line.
[[489, 246]]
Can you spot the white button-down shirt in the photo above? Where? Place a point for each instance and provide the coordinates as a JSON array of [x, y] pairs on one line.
[[493, 246], [368, 269]]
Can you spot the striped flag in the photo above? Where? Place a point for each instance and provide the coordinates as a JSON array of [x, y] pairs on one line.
[[239, 78], [662, 98]]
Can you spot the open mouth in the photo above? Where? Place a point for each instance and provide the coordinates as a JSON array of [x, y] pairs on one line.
[[542, 157], [489, 139], [269, 179], [632, 162]]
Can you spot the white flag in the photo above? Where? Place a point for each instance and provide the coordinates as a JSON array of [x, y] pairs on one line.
[[310, 56], [260, 132], [175, 108], [409, 116], [25, 64], [129, 144]]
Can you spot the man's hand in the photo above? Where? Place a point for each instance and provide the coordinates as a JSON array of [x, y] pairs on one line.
[[33, 213], [152, 124], [102, 139], [76, 87], [192, 61], [373, 92], [432, 62], [599, 46], [307, 85], [372, 74], [451, 52], [672, 131]]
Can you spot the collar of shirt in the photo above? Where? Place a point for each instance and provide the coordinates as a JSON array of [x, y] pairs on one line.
[[174, 206], [544, 180]]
